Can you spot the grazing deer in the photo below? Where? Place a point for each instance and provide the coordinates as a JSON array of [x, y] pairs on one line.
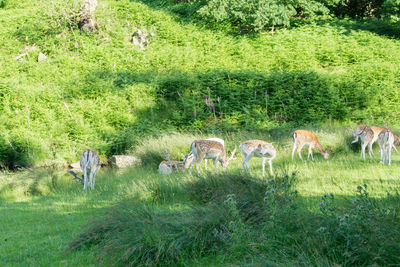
[[257, 148], [376, 130], [219, 140], [168, 166], [303, 137], [386, 143], [366, 134], [208, 149], [90, 164]]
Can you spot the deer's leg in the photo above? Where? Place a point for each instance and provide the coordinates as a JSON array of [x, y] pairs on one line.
[[270, 166], [205, 163], [370, 152], [299, 151], [263, 166], [85, 176], [294, 149], [390, 154], [94, 175], [215, 164], [244, 164], [363, 146], [381, 152], [310, 153]]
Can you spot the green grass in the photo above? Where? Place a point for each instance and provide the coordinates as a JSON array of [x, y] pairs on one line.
[[96, 90], [44, 211]]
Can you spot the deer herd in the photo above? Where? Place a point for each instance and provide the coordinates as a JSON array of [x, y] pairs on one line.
[[214, 148]]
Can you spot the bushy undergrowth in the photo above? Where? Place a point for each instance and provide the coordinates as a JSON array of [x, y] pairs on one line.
[[249, 218], [138, 236], [96, 90]]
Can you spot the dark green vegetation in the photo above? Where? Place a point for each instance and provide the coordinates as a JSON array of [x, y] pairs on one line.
[[97, 90], [225, 76]]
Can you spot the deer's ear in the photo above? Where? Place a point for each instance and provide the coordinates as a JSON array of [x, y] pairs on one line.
[[259, 146]]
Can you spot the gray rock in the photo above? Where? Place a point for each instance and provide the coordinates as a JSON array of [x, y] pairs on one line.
[[123, 161], [140, 39], [41, 57]]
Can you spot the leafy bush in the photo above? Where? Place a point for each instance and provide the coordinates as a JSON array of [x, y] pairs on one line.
[[3, 3], [356, 232], [138, 236], [258, 14], [249, 98]]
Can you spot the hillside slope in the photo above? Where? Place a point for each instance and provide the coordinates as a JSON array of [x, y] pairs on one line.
[[97, 90]]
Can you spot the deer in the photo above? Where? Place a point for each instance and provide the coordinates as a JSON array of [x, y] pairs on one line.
[[366, 134], [304, 137], [376, 130], [219, 140], [208, 149], [90, 164], [257, 148], [168, 166], [386, 141]]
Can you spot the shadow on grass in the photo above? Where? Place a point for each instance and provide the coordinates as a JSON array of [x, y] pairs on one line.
[[241, 215]]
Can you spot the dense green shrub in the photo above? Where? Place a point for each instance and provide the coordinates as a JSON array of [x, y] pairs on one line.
[[246, 98], [258, 14]]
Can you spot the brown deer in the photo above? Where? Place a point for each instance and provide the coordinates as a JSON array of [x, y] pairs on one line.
[[366, 134], [208, 149], [304, 137]]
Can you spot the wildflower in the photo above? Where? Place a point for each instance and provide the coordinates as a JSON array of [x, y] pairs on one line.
[[255, 93], [293, 173], [286, 176], [355, 200], [266, 93], [331, 194], [228, 76], [212, 105], [179, 94], [195, 113], [329, 117], [359, 188], [321, 230], [218, 99], [324, 196], [283, 105], [295, 191]]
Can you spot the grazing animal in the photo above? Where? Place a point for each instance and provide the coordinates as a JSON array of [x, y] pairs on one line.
[[168, 166], [257, 148], [386, 143], [376, 130], [90, 164], [208, 149], [219, 140], [366, 134], [304, 137]]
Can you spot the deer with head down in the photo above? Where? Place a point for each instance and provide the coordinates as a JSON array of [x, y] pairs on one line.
[[304, 137], [257, 148], [90, 164], [208, 149]]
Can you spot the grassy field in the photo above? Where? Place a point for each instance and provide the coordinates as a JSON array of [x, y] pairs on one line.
[[43, 211]]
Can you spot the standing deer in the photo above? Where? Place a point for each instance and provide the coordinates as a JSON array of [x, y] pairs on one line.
[[366, 134], [219, 140], [90, 164], [376, 130], [208, 149], [168, 166], [386, 143], [304, 137], [257, 148]]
